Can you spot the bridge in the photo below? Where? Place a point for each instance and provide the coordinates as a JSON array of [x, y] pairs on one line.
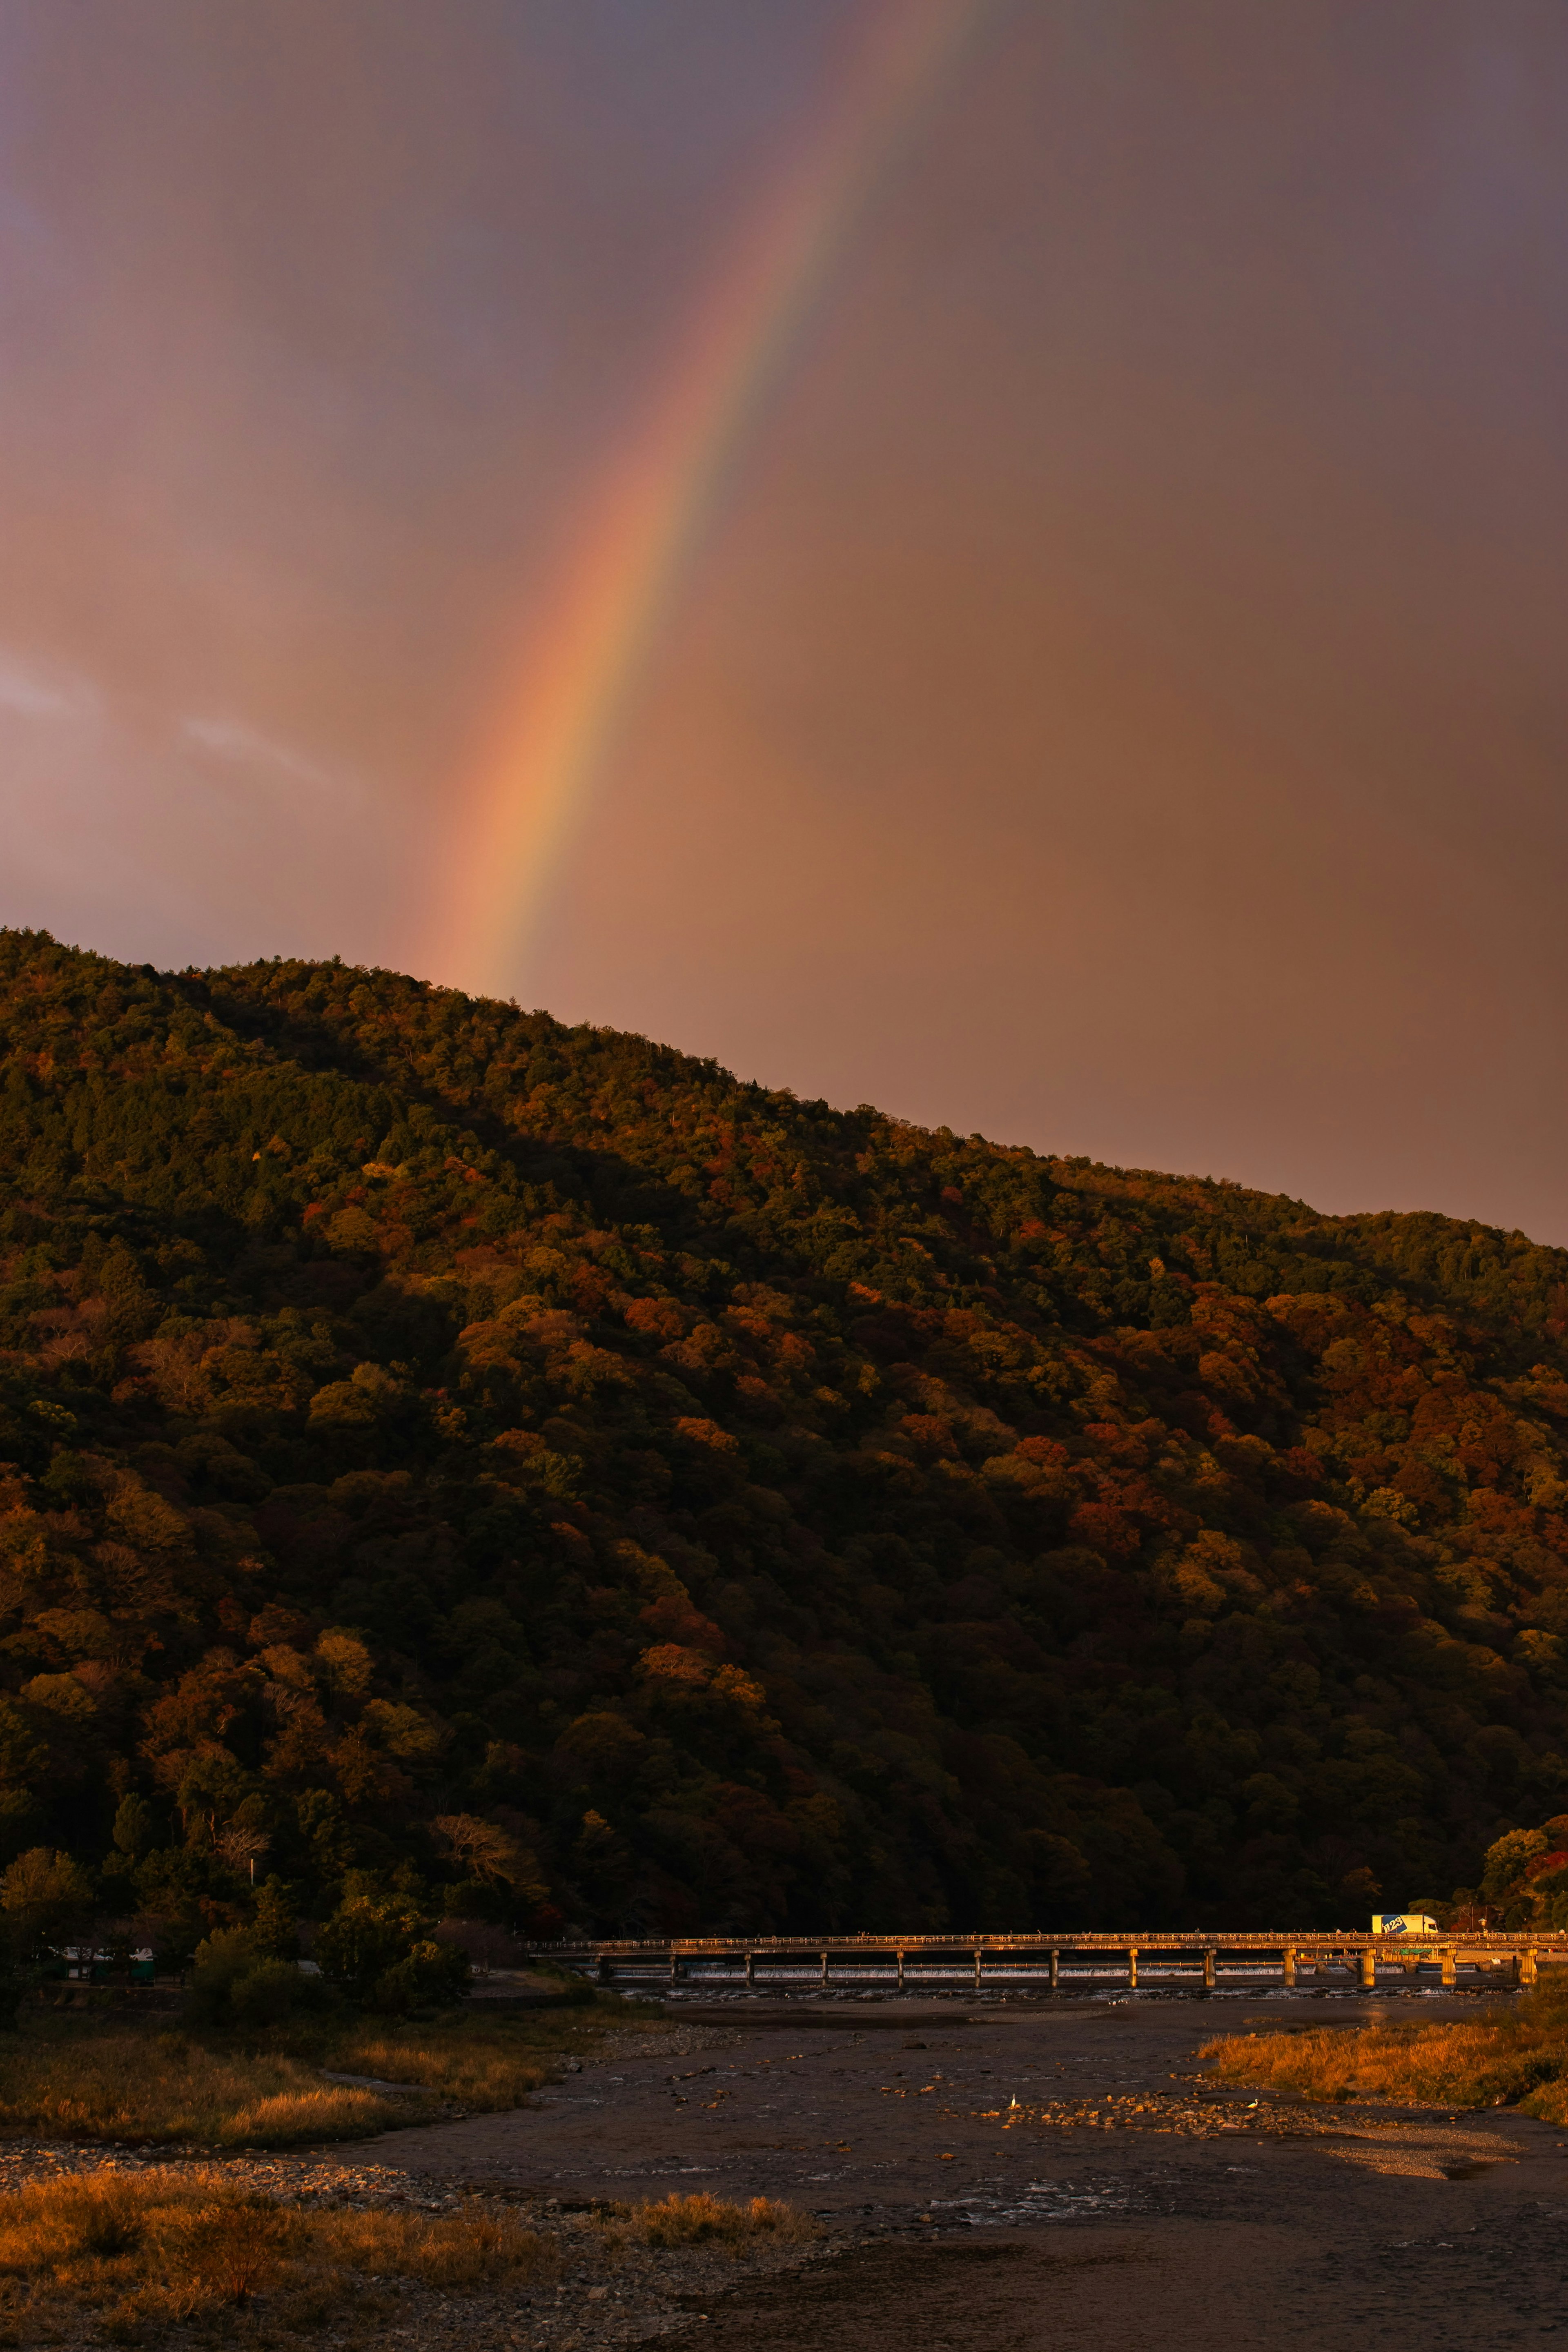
[[1194, 1961]]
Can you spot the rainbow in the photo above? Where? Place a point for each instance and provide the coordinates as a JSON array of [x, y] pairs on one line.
[[515, 816]]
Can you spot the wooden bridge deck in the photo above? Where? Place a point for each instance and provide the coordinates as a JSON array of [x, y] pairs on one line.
[[1201, 1957]]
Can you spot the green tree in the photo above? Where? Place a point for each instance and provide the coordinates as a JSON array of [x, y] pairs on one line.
[[47, 1897], [429, 1975], [275, 1926], [135, 1827], [368, 1936]]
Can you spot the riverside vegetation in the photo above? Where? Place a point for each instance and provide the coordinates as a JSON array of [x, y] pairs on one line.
[[202, 2253], [1516, 2056], [460, 1467], [138, 2253], [142, 2253], [110, 2076]]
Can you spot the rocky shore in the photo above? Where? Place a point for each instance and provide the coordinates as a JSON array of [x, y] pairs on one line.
[[1041, 2179]]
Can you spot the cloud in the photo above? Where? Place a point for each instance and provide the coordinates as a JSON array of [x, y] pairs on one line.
[[38, 692], [242, 746]]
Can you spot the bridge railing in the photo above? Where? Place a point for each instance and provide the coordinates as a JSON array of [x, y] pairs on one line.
[[1053, 1957]]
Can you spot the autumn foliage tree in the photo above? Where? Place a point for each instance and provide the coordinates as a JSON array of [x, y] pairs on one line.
[[520, 1473]]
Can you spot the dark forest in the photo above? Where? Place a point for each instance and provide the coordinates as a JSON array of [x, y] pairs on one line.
[[445, 1450]]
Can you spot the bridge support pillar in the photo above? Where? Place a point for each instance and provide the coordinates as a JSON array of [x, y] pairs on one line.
[[825, 1971], [607, 1972], [900, 1971], [674, 1966], [1528, 1967], [1055, 1967], [1132, 1968], [750, 1970], [1368, 1968], [1446, 1957], [977, 1956], [1209, 1972], [1290, 1965]]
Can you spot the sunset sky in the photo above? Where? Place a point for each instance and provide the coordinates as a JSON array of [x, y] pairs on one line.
[[1002, 558]]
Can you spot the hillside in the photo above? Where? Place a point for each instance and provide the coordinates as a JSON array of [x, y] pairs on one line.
[[719, 1510]]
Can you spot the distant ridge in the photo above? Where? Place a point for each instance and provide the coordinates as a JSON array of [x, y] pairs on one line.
[[445, 1442]]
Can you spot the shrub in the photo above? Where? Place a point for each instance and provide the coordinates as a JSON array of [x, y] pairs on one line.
[[430, 1977], [237, 1981], [273, 1991], [221, 1960], [365, 1938]]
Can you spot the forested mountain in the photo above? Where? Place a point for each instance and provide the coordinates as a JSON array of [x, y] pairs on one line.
[[440, 1440]]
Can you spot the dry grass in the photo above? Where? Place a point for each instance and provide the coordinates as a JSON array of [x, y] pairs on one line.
[[138, 2255], [481, 2063], [125, 2085], [699, 2220], [468, 2250], [142, 2253], [116, 2078], [1517, 2056]]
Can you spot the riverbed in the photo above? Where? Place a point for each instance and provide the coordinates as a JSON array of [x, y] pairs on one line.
[[1039, 2178]]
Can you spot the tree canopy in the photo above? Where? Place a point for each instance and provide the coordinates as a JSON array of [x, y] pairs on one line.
[[438, 1444]]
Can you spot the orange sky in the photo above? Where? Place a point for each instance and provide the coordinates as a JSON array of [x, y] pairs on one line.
[[1116, 702]]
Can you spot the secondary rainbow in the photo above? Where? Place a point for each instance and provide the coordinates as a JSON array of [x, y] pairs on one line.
[[558, 724]]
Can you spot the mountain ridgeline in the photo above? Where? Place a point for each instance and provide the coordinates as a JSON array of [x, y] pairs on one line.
[[446, 1447]]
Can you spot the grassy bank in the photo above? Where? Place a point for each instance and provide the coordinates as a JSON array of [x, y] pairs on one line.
[[142, 2254], [112, 2076], [1517, 2056], [148, 2252]]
